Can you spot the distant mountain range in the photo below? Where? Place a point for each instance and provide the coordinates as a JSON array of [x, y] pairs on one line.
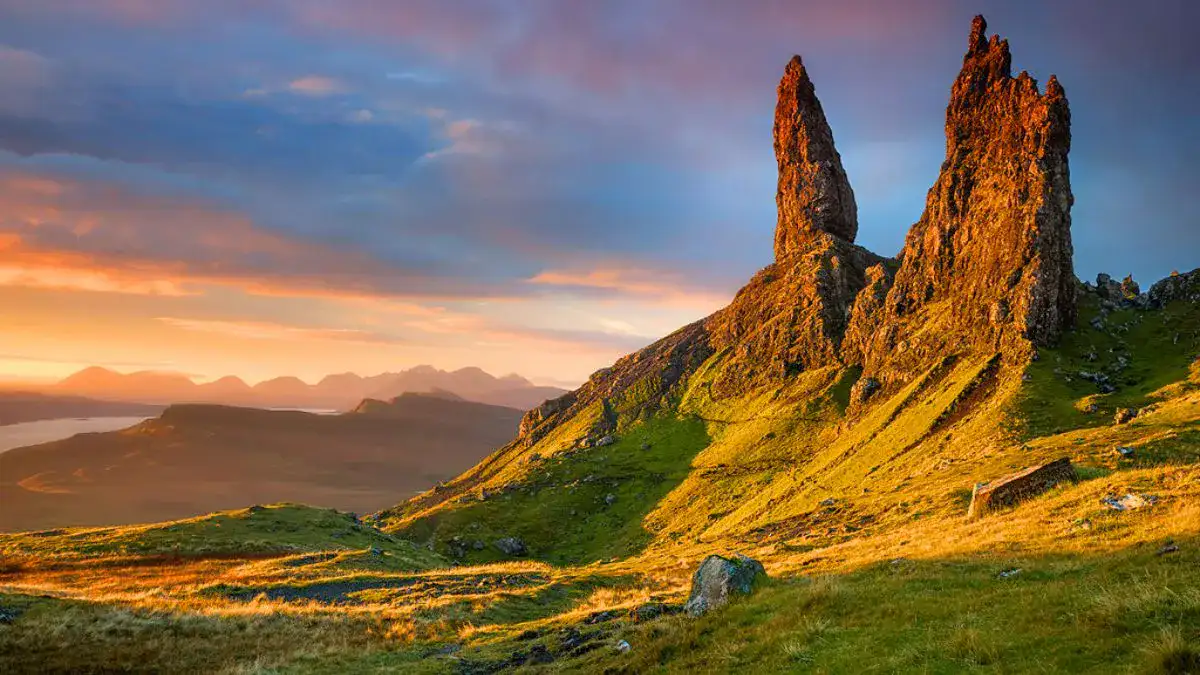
[[335, 392], [193, 459]]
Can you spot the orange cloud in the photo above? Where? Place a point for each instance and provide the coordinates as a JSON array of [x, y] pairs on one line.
[[663, 287], [264, 330], [316, 85]]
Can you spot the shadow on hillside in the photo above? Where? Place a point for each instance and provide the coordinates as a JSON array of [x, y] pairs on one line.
[[574, 507]]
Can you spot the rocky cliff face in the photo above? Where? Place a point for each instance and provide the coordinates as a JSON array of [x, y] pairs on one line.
[[988, 266], [814, 194]]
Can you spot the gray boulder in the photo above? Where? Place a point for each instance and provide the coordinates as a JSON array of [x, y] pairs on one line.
[[511, 546], [719, 578]]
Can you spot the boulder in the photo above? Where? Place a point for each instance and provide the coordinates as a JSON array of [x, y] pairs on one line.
[[1016, 488], [719, 578], [1124, 415], [511, 546], [864, 389]]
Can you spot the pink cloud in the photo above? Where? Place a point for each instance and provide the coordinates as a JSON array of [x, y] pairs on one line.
[[316, 85]]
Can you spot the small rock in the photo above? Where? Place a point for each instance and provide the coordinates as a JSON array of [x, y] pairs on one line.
[[605, 440], [610, 499], [1009, 573], [1169, 547], [599, 617], [644, 446], [864, 389], [478, 545], [1124, 451], [9, 614], [1124, 415], [511, 546], [652, 610], [377, 552], [623, 646], [540, 654], [1129, 502]]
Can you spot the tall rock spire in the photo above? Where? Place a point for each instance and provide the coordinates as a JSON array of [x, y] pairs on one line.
[[988, 265], [814, 194]]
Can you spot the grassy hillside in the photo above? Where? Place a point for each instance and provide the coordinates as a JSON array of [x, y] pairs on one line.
[[856, 508]]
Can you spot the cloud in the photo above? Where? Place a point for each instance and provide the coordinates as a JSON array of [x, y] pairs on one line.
[[264, 330], [317, 85], [664, 286]]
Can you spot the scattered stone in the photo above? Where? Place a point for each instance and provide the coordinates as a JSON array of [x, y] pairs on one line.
[[864, 389], [449, 649], [718, 578], [610, 499], [1124, 451], [540, 654], [511, 546], [599, 617], [1016, 488], [529, 635], [605, 441], [478, 545], [828, 502], [623, 646], [9, 614], [653, 610], [1168, 548], [1129, 502], [1185, 287], [1124, 415], [1009, 573], [377, 552], [644, 446]]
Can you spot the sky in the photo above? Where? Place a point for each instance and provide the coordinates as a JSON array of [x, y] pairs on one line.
[[304, 187]]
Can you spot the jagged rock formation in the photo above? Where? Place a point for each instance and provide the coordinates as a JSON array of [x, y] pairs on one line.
[[988, 266], [814, 194]]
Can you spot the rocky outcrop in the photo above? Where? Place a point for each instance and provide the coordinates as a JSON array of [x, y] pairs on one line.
[[637, 384], [1184, 287], [988, 265], [718, 579], [792, 315], [1018, 487], [814, 193], [987, 268]]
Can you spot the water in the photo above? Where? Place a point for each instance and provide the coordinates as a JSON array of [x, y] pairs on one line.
[[44, 431]]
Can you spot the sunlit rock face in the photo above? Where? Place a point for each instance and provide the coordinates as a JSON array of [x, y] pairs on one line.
[[814, 194], [988, 266]]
